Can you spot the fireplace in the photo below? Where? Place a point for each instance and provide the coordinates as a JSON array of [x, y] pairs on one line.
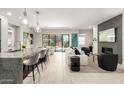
[[107, 50]]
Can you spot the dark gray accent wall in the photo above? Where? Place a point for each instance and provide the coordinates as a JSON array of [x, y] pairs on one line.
[[115, 22], [0, 35]]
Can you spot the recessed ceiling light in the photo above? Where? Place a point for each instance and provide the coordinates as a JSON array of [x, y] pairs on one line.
[[9, 13]]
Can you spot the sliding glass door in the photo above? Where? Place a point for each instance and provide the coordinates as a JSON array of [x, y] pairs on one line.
[[52, 41], [65, 41], [58, 42]]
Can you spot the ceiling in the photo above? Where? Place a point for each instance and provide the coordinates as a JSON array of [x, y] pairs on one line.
[[63, 17]]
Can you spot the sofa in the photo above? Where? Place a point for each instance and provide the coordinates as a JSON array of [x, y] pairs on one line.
[[69, 52]]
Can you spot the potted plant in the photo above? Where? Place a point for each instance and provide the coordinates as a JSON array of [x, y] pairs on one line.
[[23, 47]]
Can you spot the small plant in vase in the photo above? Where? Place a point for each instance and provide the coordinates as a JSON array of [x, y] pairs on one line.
[[23, 47]]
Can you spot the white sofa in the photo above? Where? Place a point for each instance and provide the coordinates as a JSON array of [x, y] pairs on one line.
[[70, 52]]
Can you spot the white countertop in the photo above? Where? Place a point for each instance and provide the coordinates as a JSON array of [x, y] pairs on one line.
[[20, 54]]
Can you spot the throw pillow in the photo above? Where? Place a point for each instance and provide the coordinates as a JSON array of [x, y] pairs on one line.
[[77, 51]]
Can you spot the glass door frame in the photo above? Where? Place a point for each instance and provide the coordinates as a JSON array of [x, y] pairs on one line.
[[62, 46], [63, 40]]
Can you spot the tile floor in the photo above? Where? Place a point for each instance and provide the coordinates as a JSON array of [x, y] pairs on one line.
[[57, 72]]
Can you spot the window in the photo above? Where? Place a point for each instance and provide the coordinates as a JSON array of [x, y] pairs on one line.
[[81, 40]]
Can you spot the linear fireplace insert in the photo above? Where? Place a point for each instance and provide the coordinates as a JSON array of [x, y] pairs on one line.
[[107, 50]]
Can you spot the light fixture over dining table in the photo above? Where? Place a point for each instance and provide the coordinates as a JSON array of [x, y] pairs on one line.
[[25, 20], [37, 23]]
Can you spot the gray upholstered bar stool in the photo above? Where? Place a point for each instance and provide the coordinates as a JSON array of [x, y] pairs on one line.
[[47, 55], [42, 56], [32, 62]]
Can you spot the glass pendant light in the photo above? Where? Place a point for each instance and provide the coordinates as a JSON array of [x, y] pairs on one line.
[[25, 20], [37, 24]]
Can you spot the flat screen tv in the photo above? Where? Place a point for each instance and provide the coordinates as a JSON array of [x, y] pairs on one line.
[[107, 35]]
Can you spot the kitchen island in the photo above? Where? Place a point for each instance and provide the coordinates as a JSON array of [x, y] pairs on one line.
[[11, 65]]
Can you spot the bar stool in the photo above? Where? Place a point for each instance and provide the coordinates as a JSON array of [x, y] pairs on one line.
[[47, 55], [41, 59], [32, 62]]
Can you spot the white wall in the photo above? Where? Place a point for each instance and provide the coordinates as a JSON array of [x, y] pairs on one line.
[[95, 39], [59, 31], [37, 39], [24, 28], [11, 37], [88, 37], [17, 34], [4, 33]]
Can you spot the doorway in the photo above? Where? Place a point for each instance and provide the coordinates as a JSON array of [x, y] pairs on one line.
[[65, 41]]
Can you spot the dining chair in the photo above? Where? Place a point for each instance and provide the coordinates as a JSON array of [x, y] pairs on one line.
[[32, 62], [41, 59]]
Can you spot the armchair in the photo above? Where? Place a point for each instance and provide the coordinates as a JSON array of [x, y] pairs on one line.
[[108, 61]]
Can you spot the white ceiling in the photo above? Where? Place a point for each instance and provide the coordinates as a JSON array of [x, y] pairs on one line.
[[64, 17]]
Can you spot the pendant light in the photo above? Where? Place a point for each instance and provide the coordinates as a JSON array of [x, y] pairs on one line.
[[37, 23], [25, 20]]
